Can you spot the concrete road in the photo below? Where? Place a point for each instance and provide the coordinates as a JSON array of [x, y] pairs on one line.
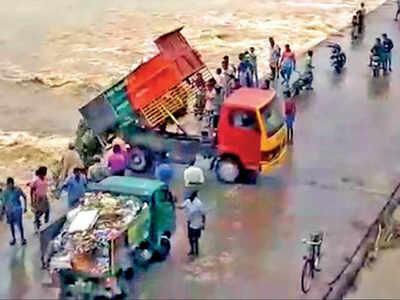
[[339, 172]]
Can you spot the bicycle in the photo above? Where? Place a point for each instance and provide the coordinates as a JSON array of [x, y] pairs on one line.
[[311, 260]]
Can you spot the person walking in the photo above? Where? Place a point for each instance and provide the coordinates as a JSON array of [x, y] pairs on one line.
[[396, 17], [117, 161], [39, 199], [287, 64], [196, 220], [12, 207], [275, 55], [290, 113], [253, 62], [76, 187], [387, 52]]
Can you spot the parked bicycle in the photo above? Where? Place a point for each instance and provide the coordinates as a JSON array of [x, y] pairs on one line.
[[312, 259]]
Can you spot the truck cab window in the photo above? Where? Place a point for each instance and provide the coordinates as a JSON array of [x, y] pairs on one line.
[[245, 120]]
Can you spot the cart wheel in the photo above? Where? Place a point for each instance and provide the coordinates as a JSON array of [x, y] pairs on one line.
[[228, 170], [139, 159]]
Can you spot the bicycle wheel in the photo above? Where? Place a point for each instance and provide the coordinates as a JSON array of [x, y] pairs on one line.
[[306, 276]]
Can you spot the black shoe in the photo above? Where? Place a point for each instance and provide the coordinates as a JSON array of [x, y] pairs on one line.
[[23, 242], [190, 253], [317, 269], [12, 243], [390, 69]]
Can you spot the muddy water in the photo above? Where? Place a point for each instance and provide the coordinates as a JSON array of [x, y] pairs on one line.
[[84, 45], [55, 55]]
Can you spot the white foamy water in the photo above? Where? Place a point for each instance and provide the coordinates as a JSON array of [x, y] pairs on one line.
[[77, 45]]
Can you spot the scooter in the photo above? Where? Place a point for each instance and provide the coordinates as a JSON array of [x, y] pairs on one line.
[[303, 82], [338, 58], [376, 65]]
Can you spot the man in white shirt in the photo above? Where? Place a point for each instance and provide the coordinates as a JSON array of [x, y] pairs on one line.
[[193, 177], [196, 220]]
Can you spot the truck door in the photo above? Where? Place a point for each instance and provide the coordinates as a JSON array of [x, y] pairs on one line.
[[242, 137]]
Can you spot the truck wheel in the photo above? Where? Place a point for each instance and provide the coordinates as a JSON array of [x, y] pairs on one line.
[[139, 159], [228, 170]]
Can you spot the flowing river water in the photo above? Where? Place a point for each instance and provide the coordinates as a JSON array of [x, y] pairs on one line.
[[57, 54]]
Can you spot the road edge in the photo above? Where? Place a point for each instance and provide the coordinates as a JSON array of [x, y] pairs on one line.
[[344, 281]]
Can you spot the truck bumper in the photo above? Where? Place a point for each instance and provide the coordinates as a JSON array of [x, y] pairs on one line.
[[266, 167]]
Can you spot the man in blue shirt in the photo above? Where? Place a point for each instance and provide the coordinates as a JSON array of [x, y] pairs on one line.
[[12, 207], [163, 170], [76, 187]]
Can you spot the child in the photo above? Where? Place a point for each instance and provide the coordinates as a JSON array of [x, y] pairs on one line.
[[290, 113]]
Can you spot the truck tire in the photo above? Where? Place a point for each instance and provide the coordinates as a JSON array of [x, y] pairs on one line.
[[139, 159], [228, 170]]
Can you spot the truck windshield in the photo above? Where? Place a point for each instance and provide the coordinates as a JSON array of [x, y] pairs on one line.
[[273, 118]]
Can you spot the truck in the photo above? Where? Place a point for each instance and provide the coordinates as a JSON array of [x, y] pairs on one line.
[[249, 137], [124, 224]]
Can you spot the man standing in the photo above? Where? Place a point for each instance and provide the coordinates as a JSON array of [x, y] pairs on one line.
[[275, 54], [228, 74], [193, 177], [290, 113], [76, 187], [287, 64], [396, 18], [13, 209], [196, 220], [361, 17], [253, 62], [244, 70], [69, 160], [309, 68], [39, 200], [387, 51]]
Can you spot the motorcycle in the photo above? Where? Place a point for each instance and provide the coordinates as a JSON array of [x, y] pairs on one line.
[[338, 58], [303, 82], [375, 65]]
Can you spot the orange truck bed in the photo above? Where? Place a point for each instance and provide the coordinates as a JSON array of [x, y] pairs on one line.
[[156, 90]]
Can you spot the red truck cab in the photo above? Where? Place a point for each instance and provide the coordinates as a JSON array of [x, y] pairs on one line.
[[251, 133]]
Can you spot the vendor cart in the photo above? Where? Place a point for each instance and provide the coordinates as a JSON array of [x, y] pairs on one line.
[[122, 225]]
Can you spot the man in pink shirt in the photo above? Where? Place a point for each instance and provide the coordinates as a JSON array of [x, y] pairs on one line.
[[288, 65], [117, 162], [39, 201]]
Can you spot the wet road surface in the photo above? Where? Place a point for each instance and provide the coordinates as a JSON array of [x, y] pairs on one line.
[[338, 174]]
